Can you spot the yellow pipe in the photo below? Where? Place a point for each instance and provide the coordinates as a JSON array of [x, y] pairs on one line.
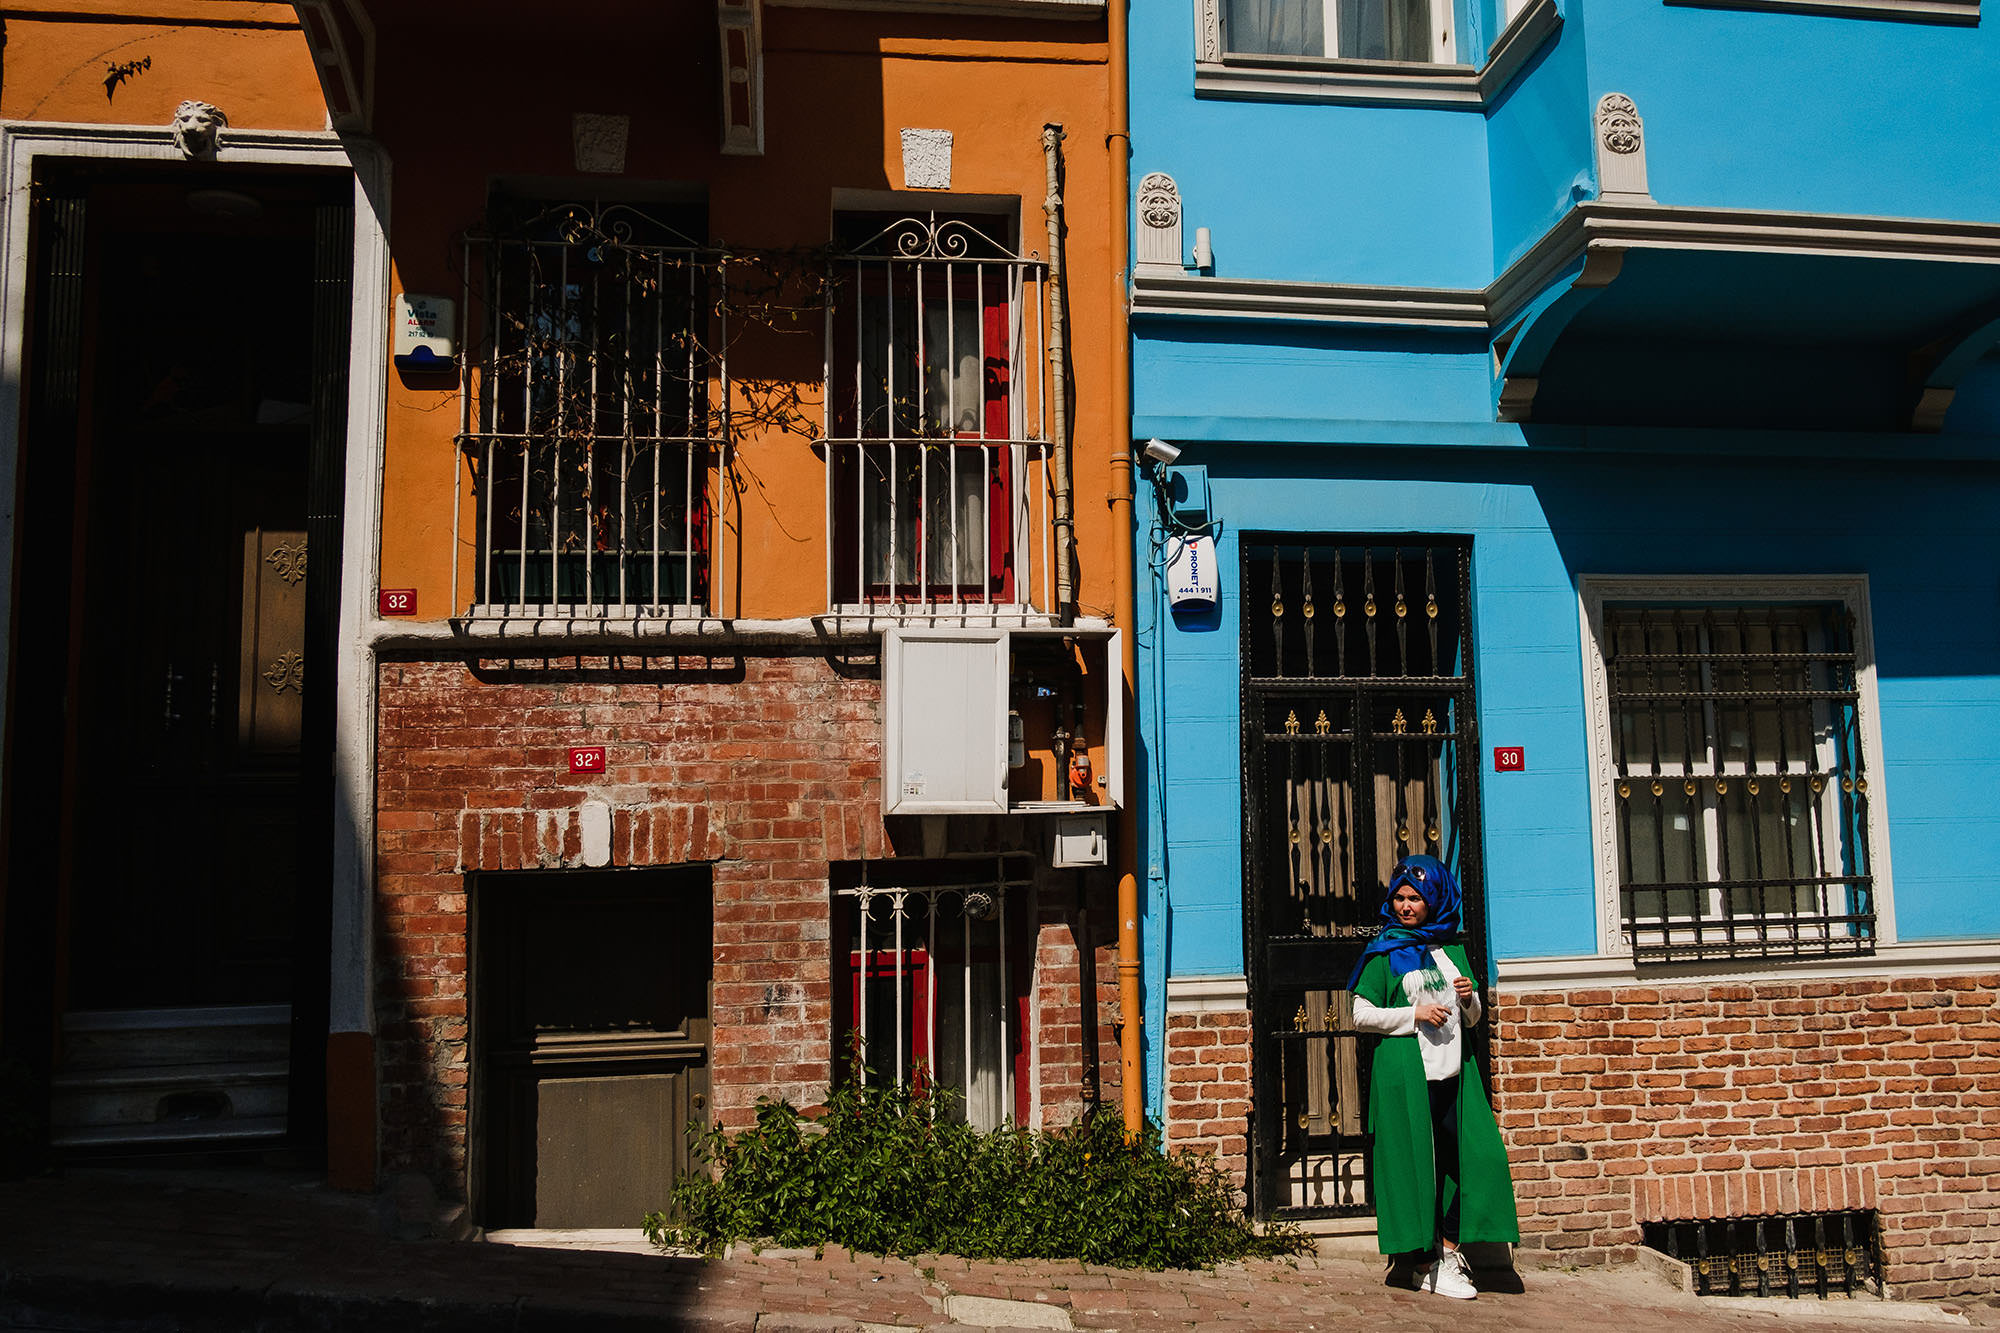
[[1118, 146]]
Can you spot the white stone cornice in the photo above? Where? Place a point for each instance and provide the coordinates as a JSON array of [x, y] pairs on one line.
[[1202, 995], [1909, 11], [1588, 229], [1939, 959], [1314, 302]]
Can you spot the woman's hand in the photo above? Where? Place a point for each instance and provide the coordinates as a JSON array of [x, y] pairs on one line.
[[1464, 987], [1433, 1015]]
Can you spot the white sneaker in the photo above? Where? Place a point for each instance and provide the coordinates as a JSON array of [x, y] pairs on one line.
[[1450, 1276]]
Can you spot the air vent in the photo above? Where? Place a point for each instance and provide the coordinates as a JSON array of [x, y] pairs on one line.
[[1797, 1254]]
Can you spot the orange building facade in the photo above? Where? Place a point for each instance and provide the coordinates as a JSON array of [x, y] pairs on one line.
[[706, 410]]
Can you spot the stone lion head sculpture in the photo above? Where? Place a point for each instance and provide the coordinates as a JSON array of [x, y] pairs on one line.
[[198, 128]]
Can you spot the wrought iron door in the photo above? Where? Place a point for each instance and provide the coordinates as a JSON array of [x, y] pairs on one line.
[[1359, 746]]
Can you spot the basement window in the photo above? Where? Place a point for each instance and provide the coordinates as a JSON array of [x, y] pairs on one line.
[[1794, 1254]]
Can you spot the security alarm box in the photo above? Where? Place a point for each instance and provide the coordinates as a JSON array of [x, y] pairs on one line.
[[997, 720], [424, 326], [1191, 577]]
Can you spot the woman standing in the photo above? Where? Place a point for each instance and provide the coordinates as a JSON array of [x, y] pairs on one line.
[[1439, 1170]]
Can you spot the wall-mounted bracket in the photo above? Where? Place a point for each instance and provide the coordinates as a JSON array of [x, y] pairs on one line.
[[1520, 351], [1938, 368]]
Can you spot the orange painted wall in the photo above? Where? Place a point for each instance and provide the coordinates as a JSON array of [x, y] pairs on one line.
[[839, 88], [248, 58]]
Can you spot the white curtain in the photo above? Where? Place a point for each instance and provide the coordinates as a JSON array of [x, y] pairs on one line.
[[1277, 27]]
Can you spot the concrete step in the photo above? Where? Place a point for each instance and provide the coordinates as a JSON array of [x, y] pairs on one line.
[[133, 1038], [149, 1094], [175, 1134], [182, 1077]]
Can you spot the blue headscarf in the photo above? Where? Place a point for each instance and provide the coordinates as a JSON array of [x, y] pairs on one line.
[[1409, 949]]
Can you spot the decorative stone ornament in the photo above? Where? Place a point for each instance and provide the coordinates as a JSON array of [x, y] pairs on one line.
[[598, 142], [1618, 122], [1159, 210], [197, 130], [1621, 150], [927, 159]]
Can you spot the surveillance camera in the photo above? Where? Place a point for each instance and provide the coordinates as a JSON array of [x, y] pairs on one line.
[[1161, 452]]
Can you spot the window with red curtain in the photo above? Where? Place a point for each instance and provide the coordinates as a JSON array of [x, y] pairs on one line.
[[922, 407]]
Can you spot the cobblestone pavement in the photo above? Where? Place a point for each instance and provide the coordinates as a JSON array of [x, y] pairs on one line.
[[167, 1251]]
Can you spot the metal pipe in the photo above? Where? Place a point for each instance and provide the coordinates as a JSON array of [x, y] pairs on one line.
[[1118, 148], [1058, 349]]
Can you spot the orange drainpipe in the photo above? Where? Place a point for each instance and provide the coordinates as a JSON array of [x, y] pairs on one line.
[[1118, 146]]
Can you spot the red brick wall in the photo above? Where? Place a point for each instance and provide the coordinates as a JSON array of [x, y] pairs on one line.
[[1208, 1087], [1077, 1007], [1622, 1106], [765, 766]]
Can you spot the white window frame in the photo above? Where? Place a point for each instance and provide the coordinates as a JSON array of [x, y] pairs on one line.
[[1594, 591], [1456, 79], [1444, 26]]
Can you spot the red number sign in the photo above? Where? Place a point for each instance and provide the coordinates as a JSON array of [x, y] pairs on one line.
[[586, 758], [1510, 759], [396, 601]]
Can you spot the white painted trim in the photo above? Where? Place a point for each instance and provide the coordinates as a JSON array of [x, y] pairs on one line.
[[1312, 302], [21, 144], [1588, 230], [1965, 12], [1593, 590], [1941, 959], [1061, 9], [1204, 995], [1530, 26], [1452, 86]]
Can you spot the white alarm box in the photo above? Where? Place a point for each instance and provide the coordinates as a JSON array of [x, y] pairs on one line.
[[1191, 579], [424, 327]]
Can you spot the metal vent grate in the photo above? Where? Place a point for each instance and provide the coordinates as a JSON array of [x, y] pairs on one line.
[[1797, 1254]]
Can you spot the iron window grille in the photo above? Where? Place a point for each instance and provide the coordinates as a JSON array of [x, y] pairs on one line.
[[1794, 1254], [936, 399], [592, 410], [1740, 781], [930, 980]]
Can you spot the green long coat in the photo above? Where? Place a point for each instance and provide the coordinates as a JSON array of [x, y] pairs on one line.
[[1402, 1169]]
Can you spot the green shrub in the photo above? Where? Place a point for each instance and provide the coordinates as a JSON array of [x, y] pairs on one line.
[[886, 1171]]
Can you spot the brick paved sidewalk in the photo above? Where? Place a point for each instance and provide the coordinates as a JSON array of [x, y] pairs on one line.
[[155, 1250]]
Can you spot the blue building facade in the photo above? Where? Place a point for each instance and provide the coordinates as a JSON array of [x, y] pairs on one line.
[[1594, 410]]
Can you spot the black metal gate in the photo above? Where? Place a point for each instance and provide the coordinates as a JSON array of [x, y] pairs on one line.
[[1359, 745]]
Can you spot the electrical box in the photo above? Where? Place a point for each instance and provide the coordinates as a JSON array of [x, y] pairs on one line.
[[1080, 840], [997, 720]]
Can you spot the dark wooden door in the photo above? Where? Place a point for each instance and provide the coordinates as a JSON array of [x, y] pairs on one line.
[[591, 996], [190, 577]]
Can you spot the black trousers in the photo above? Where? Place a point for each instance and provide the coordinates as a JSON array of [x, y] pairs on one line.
[[1444, 1151]]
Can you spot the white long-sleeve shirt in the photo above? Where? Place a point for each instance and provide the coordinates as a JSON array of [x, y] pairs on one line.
[[1443, 1046]]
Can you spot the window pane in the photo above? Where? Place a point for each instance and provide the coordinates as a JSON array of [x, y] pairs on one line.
[[1277, 27], [1385, 30]]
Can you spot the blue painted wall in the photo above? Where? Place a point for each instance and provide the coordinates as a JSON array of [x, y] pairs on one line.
[[1540, 521], [1346, 429]]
